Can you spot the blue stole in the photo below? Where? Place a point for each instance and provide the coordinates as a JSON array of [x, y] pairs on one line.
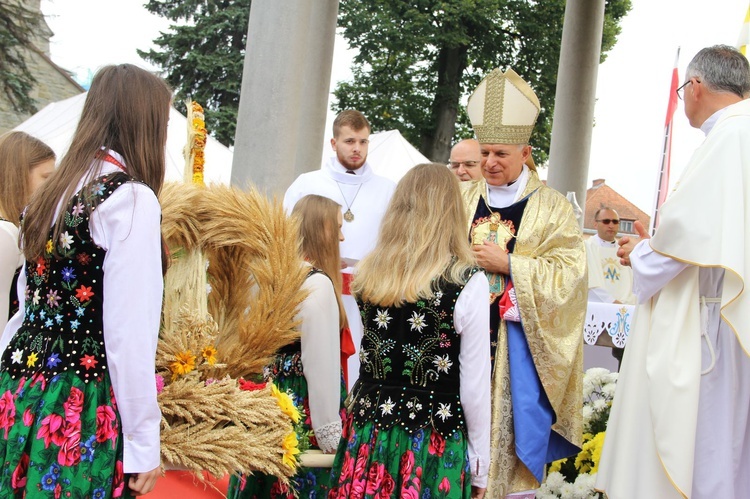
[[533, 417]]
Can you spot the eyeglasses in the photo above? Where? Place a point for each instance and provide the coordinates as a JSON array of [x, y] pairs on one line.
[[454, 165], [679, 90], [607, 221]]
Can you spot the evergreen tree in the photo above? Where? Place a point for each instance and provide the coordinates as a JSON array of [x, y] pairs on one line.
[[17, 25], [202, 56], [419, 60]]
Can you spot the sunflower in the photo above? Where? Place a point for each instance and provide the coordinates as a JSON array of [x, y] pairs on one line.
[[291, 449], [209, 354], [286, 404], [184, 363]]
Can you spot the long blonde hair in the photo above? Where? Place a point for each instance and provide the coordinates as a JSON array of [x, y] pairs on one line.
[[422, 240], [19, 154], [319, 242], [126, 110]]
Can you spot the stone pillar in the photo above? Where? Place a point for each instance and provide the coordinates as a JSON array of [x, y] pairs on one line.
[[573, 121], [285, 82], [316, 84]]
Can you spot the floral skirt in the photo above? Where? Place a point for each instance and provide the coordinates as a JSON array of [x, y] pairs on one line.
[[313, 483], [59, 438], [372, 463]]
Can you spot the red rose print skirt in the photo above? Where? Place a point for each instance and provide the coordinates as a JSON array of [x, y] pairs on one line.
[[393, 463], [59, 437]]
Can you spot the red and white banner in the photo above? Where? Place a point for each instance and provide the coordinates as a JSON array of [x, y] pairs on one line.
[[662, 185]]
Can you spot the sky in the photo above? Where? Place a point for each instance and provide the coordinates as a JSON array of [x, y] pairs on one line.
[[632, 87]]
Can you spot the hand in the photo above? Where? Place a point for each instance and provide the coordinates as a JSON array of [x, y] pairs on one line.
[[143, 483], [627, 244], [491, 257], [477, 492]]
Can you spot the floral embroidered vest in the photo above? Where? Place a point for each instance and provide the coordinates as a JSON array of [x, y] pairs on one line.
[[62, 330], [409, 374]]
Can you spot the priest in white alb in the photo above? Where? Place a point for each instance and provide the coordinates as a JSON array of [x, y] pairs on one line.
[[680, 421]]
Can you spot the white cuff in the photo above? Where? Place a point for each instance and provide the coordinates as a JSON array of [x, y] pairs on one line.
[[328, 437]]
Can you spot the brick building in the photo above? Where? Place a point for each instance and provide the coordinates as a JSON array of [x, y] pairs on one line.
[[601, 195], [52, 82]]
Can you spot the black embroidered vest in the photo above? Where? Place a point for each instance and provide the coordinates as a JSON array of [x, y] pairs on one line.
[[62, 329], [409, 373]]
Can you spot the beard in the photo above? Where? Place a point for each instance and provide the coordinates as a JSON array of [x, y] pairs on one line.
[[351, 165]]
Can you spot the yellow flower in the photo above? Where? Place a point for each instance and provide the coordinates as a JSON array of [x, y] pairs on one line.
[[291, 449], [49, 247], [286, 404], [556, 465], [31, 359], [209, 353], [596, 452], [183, 364]]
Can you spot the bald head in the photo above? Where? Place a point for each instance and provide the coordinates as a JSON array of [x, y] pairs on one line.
[[465, 160]]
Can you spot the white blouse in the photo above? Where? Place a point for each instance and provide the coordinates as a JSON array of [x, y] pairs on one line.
[[10, 260], [128, 226], [471, 318], [321, 360]]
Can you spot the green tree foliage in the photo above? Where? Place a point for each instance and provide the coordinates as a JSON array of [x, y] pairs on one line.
[[202, 56], [419, 60], [17, 26]]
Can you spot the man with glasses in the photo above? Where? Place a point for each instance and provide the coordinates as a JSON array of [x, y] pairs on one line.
[[680, 423], [609, 280], [466, 160]]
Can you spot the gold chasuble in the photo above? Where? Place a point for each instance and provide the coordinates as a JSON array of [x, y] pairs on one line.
[[548, 272]]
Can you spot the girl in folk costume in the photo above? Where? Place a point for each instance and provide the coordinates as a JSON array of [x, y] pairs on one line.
[[419, 415], [311, 367], [25, 163], [78, 410]]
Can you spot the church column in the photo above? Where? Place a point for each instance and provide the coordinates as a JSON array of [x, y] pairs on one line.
[[285, 82], [572, 125], [316, 78]]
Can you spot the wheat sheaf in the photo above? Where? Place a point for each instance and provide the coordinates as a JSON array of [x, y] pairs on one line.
[[232, 292]]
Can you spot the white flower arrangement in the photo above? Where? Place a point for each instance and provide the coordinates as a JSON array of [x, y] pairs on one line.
[[574, 477]]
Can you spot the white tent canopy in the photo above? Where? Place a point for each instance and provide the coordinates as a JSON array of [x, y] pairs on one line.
[[56, 123], [389, 154]]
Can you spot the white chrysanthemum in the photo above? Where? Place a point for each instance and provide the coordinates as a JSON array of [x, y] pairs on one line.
[[599, 405], [567, 491], [597, 375], [608, 390], [555, 480], [586, 480], [417, 321], [611, 378], [35, 299], [542, 493], [587, 412], [588, 388], [581, 488], [382, 318], [442, 363]]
